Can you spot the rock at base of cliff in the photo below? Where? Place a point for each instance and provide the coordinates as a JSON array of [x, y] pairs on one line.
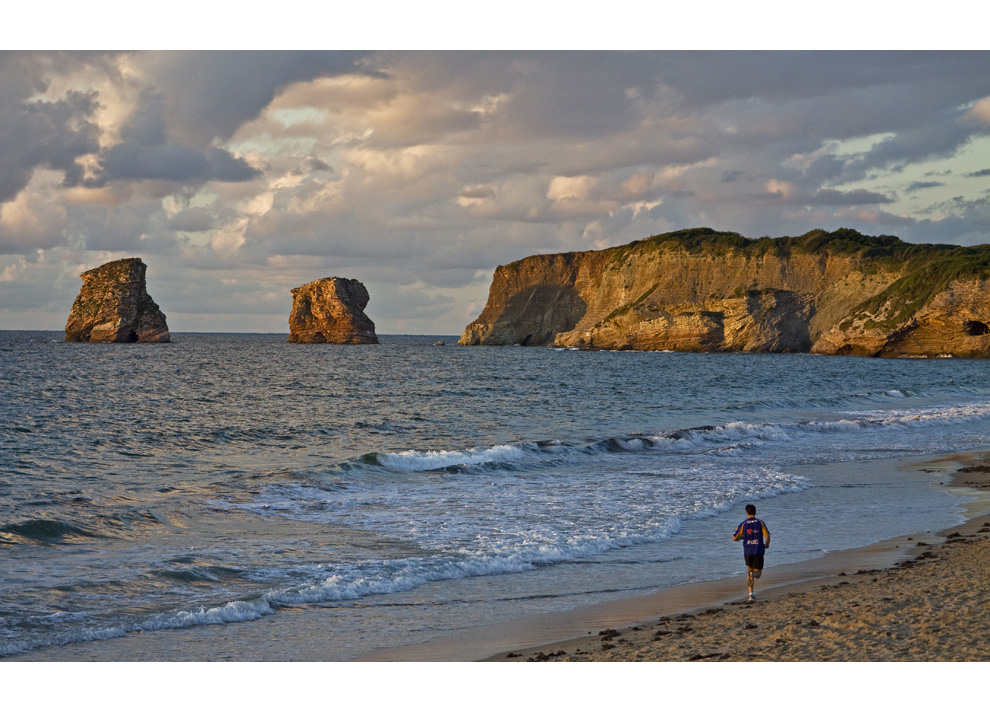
[[114, 306], [331, 311]]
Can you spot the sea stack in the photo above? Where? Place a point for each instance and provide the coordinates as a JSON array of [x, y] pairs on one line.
[[114, 306], [331, 311]]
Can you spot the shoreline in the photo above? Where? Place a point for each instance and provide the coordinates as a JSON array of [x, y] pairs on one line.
[[632, 629], [613, 630], [926, 604]]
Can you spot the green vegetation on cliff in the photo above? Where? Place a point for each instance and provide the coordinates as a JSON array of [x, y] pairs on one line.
[[844, 242], [927, 268], [925, 276]]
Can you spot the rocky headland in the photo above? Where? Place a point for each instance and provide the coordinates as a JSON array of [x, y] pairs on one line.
[[331, 311], [702, 290], [114, 306]]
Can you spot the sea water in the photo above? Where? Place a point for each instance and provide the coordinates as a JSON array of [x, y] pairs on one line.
[[405, 491]]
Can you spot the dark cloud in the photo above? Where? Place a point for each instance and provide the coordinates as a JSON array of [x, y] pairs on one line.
[[922, 185], [934, 79], [782, 195], [145, 152], [224, 166], [779, 104], [192, 100], [979, 174], [134, 162], [936, 140], [823, 171], [211, 94], [311, 164], [50, 134], [146, 124]]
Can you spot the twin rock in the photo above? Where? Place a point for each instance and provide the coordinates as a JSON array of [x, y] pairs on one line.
[[114, 306]]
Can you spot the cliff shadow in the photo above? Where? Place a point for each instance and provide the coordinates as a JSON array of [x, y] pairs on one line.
[[534, 316], [784, 318]]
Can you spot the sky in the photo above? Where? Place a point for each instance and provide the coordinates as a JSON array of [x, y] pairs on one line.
[[239, 175]]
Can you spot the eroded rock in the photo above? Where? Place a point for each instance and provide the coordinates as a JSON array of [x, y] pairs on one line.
[[114, 306], [331, 311]]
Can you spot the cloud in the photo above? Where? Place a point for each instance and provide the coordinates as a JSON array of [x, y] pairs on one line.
[[312, 164], [925, 142], [45, 134], [133, 161], [980, 112], [785, 191], [209, 95], [34, 219], [145, 152], [419, 171], [922, 185], [196, 219], [851, 197]]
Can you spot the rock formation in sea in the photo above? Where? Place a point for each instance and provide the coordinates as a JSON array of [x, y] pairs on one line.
[[114, 306], [331, 311], [701, 290]]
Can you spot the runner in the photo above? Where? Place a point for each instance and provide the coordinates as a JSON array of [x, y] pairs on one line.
[[753, 532]]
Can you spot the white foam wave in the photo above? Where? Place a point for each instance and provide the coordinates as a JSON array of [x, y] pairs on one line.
[[505, 551], [417, 461], [465, 550], [230, 612], [717, 440], [740, 433]]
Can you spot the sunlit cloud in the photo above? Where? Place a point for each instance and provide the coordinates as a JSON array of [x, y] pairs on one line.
[[980, 111], [240, 175]]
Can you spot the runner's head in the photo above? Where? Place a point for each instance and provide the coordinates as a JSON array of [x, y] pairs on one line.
[[751, 510]]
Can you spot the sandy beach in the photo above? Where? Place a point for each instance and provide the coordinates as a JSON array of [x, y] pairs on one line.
[[919, 597], [929, 606]]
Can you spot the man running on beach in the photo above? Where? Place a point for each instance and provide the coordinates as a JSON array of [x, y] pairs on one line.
[[752, 532]]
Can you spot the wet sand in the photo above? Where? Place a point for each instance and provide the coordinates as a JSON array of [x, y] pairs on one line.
[[931, 604], [916, 597]]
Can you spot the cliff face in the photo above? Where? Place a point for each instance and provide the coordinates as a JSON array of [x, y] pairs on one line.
[[700, 290], [331, 311], [114, 306]]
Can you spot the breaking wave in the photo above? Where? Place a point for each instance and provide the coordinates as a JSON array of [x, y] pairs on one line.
[[712, 439]]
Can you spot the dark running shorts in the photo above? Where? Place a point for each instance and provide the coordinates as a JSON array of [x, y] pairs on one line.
[[754, 561]]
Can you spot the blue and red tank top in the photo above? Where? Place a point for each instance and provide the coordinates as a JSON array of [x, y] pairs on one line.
[[753, 531]]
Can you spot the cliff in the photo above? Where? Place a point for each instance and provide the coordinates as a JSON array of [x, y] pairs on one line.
[[114, 306], [702, 290], [331, 311]]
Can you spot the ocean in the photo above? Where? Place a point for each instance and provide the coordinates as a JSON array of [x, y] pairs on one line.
[[405, 491]]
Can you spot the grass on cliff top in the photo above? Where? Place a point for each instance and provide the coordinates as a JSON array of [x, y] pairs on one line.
[[925, 269], [924, 279], [943, 262], [842, 242], [884, 250]]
